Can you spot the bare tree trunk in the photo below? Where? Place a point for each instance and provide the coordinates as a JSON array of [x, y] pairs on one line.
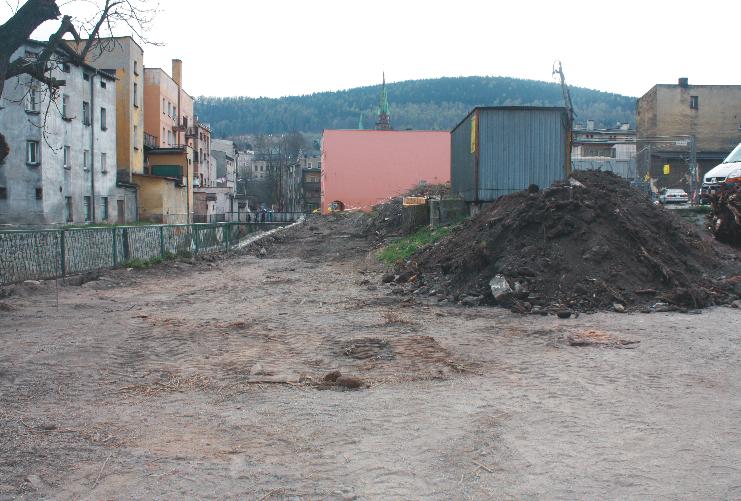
[[14, 33]]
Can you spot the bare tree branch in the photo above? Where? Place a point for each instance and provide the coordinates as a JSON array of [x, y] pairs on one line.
[[134, 16]]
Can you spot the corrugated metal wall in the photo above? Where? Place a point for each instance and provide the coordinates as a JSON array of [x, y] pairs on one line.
[[462, 160], [518, 147]]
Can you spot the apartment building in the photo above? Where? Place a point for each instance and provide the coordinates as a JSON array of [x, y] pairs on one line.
[[62, 164], [166, 183]]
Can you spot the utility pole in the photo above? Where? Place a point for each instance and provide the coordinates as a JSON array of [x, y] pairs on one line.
[[693, 165]]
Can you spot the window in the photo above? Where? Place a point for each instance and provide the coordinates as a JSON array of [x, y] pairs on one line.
[[169, 138], [103, 121], [136, 95], [86, 207], [136, 137], [32, 99], [85, 113], [67, 157], [32, 152], [68, 209], [86, 159], [39, 193], [169, 109], [174, 111], [163, 105], [65, 67], [3, 193], [103, 85], [65, 107], [86, 76], [694, 103], [104, 205], [163, 136], [103, 163], [136, 68]]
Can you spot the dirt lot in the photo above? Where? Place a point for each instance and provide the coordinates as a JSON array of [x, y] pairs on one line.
[[206, 381]]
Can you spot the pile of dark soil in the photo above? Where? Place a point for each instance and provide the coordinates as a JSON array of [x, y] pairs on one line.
[[386, 219], [582, 247]]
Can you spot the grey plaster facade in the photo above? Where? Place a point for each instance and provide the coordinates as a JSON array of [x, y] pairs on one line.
[[62, 163]]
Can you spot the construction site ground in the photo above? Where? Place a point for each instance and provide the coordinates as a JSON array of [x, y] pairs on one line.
[[206, 380]]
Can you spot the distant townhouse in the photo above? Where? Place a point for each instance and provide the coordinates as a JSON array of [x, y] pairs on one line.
[[611, 149], [311, 186], [669, 113], [215, 202], [225, 155], [62, 163], [166, 185], [204, 169]]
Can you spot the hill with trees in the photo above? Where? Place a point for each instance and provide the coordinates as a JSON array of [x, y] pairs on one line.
[[436, 104]]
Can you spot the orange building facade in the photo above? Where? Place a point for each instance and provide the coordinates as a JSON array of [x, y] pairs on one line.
[[362, 168], [168, 179]]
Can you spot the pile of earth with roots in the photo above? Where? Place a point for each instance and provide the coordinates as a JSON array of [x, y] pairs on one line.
[[386, 219], [588, 244]]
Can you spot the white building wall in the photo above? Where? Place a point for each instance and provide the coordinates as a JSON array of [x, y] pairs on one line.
[[53, 133]]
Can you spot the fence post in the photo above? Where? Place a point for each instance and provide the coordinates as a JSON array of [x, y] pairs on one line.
[[162, 242], [194, 230], [62, 251], [113, 233], [227, 232]]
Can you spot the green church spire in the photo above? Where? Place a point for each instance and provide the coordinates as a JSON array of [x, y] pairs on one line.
[[384, 115]]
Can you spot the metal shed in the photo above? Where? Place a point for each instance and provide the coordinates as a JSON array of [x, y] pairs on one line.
[[504, 149]]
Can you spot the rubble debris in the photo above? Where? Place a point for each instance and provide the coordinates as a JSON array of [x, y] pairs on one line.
[[388, 278], [500, 289], [331, 377], [584, 247], [386, 219], [599, 339], [724, 220], [350, 382]]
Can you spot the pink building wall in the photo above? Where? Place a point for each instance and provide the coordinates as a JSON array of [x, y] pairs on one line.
[[362, 168]]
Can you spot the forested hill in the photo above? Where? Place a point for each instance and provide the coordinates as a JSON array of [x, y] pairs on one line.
[[437, 104]]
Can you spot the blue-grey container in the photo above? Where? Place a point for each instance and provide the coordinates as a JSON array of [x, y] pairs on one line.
[[504, 149]]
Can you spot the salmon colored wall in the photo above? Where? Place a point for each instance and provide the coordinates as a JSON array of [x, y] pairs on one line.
[[362, 168]]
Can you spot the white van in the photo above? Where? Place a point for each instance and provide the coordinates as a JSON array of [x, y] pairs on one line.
[[727, 172]]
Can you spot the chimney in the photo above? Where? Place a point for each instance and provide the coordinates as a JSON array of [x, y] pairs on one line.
[[684, 82], [590, 124], [177, 71]]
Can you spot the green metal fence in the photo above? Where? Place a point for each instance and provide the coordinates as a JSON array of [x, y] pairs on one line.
[[45, 254]]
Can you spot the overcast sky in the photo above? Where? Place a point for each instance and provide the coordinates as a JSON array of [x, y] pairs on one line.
[[287, 47]]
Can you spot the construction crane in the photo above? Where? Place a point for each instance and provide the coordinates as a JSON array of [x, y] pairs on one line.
[[569, 109], [564, 89]]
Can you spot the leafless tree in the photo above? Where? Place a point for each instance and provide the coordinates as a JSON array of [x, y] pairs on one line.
[[106, 17]]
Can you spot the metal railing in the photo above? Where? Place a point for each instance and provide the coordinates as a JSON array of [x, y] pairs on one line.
[[249, 217], [46, 254]]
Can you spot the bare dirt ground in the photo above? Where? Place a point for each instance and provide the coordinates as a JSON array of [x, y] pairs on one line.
[[206, 381]]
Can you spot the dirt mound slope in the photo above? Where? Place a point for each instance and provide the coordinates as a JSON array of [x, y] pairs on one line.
[[386, 219], [586, 246]]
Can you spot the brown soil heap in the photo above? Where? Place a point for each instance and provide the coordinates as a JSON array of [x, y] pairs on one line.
[[579, 247], [386, 219]]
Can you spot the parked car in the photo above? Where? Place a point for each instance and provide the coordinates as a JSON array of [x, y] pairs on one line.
[[673, 196], [727, 172]]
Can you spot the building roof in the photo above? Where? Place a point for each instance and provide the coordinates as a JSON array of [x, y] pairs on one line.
[[510, 108], [65, 50]]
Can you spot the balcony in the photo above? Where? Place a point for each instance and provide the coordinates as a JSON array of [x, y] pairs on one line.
[[151, 142]]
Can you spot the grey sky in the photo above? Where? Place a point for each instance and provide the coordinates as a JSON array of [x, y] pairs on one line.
[[287, 47]]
